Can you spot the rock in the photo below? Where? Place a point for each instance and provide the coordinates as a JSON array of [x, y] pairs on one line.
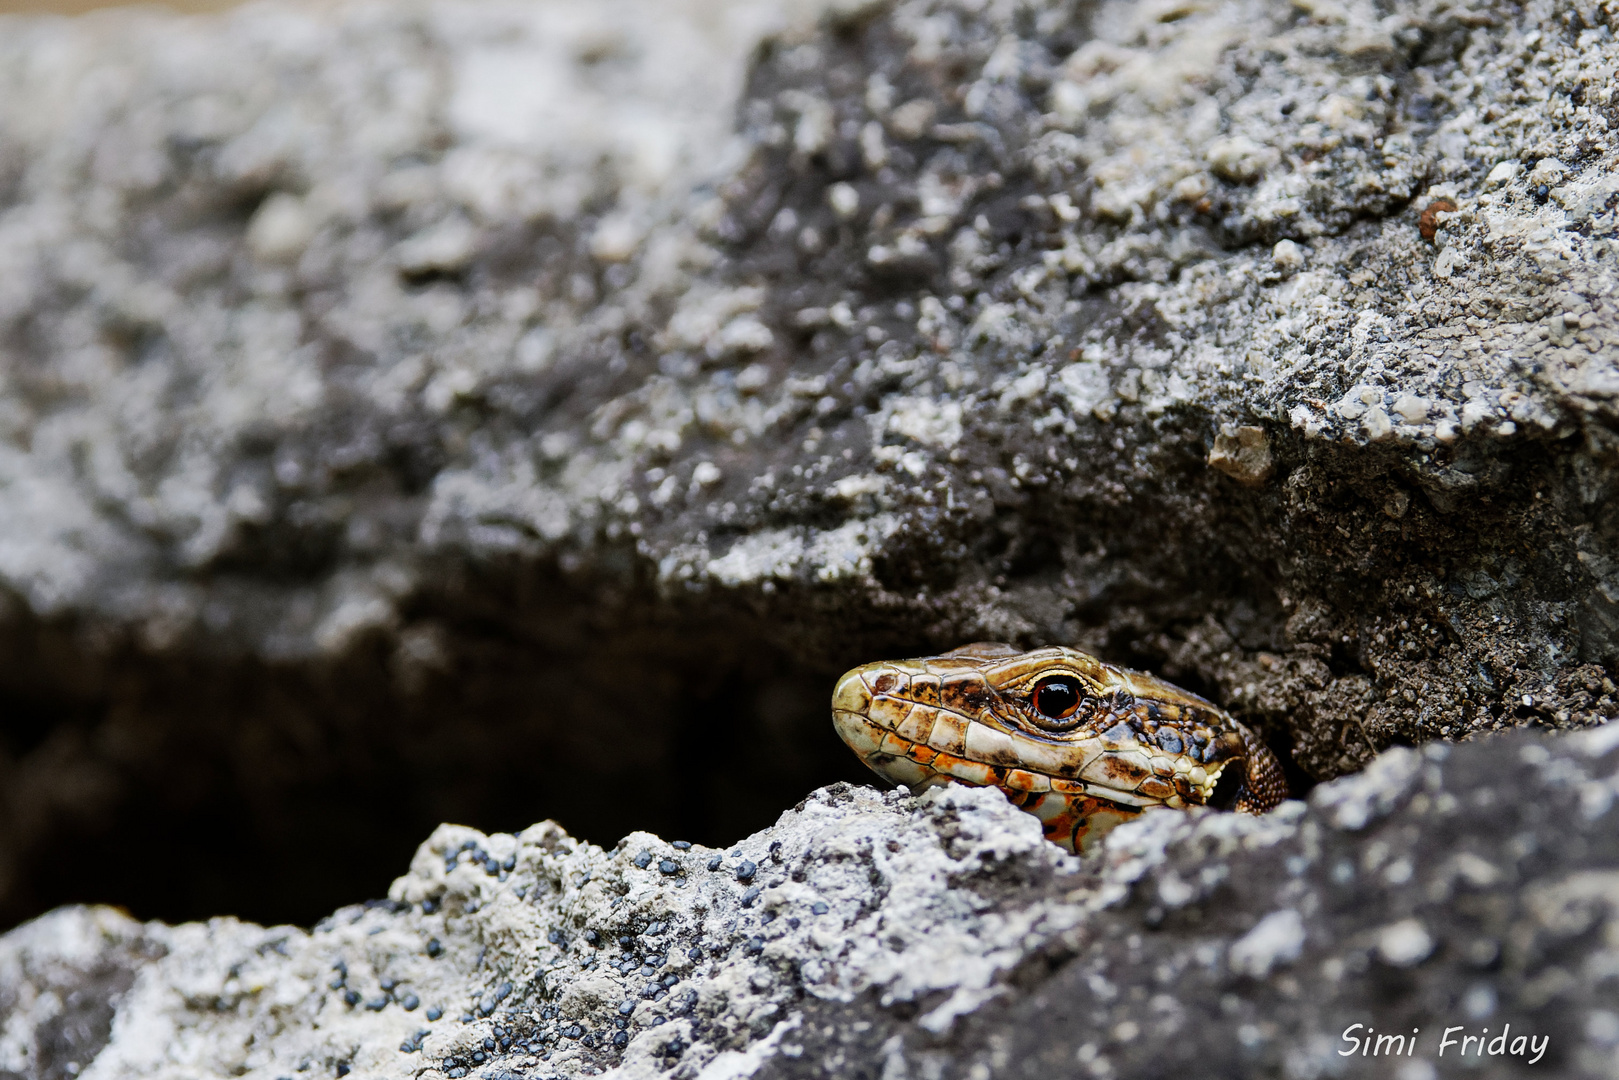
[[1287, 256], [425, 411], [1438, 894], [1244, 455]]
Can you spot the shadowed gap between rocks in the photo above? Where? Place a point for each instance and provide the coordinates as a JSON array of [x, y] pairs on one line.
[[186, 788]]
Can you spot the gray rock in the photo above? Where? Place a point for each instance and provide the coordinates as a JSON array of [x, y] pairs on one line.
[[391, 394], [1445, 891]]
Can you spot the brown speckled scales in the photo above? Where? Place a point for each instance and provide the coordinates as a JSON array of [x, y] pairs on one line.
[[1128, 742]]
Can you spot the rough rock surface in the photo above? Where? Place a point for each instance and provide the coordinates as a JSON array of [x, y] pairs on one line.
[[383, 384], [884, 935]]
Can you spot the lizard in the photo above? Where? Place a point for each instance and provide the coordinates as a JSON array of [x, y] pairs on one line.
[[1081, 744]]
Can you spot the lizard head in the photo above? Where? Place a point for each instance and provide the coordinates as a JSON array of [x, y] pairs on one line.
[[1081, 744]]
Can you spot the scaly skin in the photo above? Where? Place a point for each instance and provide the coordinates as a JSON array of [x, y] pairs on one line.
[[1132, 742]]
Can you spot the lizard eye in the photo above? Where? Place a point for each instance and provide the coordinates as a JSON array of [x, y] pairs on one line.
[[1056, 698]]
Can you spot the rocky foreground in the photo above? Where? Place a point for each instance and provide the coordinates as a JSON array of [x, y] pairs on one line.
[[1473, 888]]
